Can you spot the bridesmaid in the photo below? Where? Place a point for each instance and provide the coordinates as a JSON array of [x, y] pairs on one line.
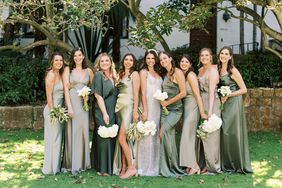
[[234, 140], [127, 112], [174, 85], [208, 76], [105, 92], [53, 131], [149, 146], [76, 76], [193, 109]]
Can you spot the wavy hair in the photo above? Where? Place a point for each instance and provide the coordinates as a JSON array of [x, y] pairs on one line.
[[205, 49], [190, 61], [157, 61], [51, 61], [163, 71], [97, 66], [132, 69], [230, 63]]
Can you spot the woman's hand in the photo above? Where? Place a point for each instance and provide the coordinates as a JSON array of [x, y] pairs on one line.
[[106, 118], [223, 99], [135, 116], [70, 112], [164, 103], [204, 116]]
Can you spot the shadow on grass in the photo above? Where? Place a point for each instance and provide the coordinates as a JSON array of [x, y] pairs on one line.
[[21, 160]]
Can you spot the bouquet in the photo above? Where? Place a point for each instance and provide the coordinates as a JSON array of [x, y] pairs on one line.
[[58, 114], [108, 131], [209, 126], [224, 90], [84, 92], [161, 96], [147, 128], [138, 130]]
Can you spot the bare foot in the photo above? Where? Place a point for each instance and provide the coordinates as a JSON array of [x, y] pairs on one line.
[[122, 172], [129, 173], [194, 171], [105, 174]]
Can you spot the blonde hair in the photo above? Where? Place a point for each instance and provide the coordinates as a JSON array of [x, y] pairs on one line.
[[208, 50], [97, 67]]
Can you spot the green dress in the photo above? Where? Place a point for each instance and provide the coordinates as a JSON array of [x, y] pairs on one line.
[[235, 155], [169, 166], [191, 116], [102, 151], [124, 111]]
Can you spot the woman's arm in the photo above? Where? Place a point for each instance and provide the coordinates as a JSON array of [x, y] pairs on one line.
[[136, 87], [180, 79], [143, 77], [66, 82], [236, 76], [193, 81], [213, 77], [49, 86], [91, 74], [102, 106]]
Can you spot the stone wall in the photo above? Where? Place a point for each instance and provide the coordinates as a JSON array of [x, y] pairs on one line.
[[263, 108]]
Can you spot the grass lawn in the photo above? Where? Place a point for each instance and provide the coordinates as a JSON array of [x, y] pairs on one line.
[[21, 156]]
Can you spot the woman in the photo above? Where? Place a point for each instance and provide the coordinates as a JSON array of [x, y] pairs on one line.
[[53, 131], [149, 146], [127, 112], [209, 158], [76, 76], [174, 85], [234, 138], [193, 109], [105, 94]]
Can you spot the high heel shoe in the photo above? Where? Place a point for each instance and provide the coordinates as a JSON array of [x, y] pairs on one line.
[[129, 173], [194, 171]]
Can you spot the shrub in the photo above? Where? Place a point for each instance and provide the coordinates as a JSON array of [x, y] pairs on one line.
[[21, 80]]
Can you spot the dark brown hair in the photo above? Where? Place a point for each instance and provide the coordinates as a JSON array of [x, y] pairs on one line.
[[190, 61], [157, 61], [51, 61], [72, 63], [230, 63], [132, 69], [163, 70]]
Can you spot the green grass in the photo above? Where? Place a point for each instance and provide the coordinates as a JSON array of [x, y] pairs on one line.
[[21, 156]]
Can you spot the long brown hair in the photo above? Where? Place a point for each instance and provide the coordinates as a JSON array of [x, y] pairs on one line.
[[163, 70], [157, 61], [72, 63], [190, 61], [97, 67], [230, 63], [132, 69], [51, 61]]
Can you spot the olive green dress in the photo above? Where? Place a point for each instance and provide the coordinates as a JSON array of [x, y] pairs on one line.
[[53, 134], [209, 147], [234, 138], [169, 166], [191, 116], [102, 151], [124, 112]]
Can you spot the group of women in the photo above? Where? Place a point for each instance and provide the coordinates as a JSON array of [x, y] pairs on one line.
[[118, 98]]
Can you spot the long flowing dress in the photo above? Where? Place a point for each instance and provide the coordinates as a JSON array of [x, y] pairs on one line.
[[53, 134], [234, 138], [148, 151], [210, 156], [77, 154], [102, 151], [169, 166], [191, 116], [124, 111]]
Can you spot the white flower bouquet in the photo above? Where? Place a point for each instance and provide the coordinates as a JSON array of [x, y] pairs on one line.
[[138, 130], [224, 91], [161, 96], [209, 126], [58, 114], [84, 92], [108, 131]]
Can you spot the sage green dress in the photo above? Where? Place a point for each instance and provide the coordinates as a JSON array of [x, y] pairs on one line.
[[53, 134], [191, 116], [102, 151], [234, 138], [76, 147], [169, 166], [209, 147], [124, 112]]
